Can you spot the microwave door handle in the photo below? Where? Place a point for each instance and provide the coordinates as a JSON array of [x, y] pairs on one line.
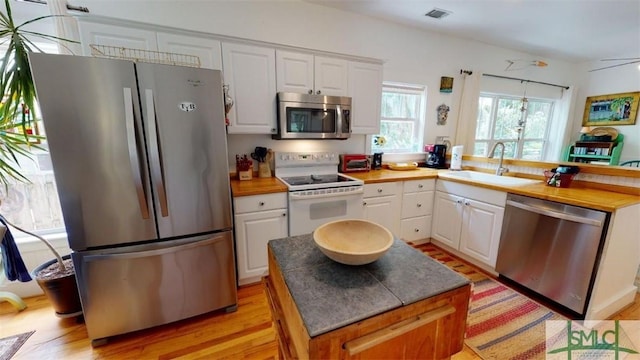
[[134, 158], [154, 154]]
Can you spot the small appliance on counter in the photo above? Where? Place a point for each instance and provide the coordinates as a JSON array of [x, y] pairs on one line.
[[376, 163], [436, 156], [354, 163]]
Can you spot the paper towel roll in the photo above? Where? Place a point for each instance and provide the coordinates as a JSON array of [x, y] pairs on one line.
[[456, 157]]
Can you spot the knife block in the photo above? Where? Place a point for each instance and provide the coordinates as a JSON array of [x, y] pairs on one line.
[[264, 170]]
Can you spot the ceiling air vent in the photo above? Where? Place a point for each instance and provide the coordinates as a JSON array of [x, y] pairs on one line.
[[438, 13]]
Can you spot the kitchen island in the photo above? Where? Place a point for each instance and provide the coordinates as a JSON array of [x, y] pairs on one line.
[[404, 305]]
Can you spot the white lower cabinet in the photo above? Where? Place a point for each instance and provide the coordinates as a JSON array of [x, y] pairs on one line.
[[382, 204], [468, 219], [258, 219], [417, 210]]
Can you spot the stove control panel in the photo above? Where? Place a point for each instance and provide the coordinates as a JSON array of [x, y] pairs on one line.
[[298, 159]]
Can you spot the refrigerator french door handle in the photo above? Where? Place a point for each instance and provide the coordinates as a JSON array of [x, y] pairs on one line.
[[156, 166], [134, 159]]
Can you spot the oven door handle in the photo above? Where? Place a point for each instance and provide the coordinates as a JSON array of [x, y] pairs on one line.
[[297, 196], [554, 214]]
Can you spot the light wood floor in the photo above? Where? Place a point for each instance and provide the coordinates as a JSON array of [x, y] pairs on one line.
[[245, 334]]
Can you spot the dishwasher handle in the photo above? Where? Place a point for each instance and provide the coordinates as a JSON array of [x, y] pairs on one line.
[[555, 214]]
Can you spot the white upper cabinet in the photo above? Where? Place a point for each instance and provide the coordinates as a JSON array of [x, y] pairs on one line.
[[250, 72], [207, 50], [365, 89], [117, 36], [309, 74]]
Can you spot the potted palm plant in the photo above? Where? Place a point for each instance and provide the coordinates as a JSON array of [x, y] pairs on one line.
[[17, 119]]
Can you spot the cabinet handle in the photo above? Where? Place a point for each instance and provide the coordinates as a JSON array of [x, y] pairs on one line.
[[419, 205], [416, 230], [318, 92], [420, 186], [379, 190], [466, 203], [261, 203], [273, 130], [459, 201], [364, 203], [310, 92], [284, 214]]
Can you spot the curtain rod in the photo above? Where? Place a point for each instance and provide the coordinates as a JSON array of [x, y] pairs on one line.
[[525, 80]]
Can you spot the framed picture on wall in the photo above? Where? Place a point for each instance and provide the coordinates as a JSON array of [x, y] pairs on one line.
[[611, 110]]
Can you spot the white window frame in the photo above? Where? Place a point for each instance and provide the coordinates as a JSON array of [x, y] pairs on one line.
[[490, 141], [418, 123]]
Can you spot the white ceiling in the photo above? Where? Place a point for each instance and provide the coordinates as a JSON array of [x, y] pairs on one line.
[[571, 30]]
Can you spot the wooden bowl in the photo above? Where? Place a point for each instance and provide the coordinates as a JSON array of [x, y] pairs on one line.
[[353, 241]]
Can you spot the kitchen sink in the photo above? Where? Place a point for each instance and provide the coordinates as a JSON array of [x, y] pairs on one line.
[[487, 178]]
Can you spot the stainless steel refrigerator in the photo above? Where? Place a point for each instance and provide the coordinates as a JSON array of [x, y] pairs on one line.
[[139, 154]]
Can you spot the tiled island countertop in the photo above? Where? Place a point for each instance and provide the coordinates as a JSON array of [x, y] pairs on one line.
[[330, 295]]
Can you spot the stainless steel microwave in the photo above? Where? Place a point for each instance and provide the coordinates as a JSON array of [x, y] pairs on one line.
[[305, 116]]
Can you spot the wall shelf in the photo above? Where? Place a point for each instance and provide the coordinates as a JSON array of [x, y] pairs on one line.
[[597, 152]]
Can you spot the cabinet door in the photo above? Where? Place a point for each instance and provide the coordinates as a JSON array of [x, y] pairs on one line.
[[480, 236], [384, 211], [415, 228], [365, 89], [250, 72], [330, 76], [207, 50], [253, 232], [447, 218], [294, 72], [117, 36]]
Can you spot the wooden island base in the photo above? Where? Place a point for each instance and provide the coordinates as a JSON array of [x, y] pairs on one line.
[[432, 328]]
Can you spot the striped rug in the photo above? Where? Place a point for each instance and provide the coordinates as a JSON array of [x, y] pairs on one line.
[[501, 324]]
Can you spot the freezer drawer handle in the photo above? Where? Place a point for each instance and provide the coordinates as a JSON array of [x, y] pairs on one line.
[[554, 214], [156, 167], [134, 160], [154, 252]]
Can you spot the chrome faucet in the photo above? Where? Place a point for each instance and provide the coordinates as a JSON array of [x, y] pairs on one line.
[[500, 170]]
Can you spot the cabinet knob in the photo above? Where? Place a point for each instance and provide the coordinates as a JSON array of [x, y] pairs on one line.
[[420, 186], [364, 203], [379, 190], [466, 203], [273, 130], [419, 205], [310, 91], [416, 230], [284, 214], [459, 201], [318, 92], [261, 203]]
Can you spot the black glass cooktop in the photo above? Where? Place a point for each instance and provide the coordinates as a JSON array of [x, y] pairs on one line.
[[316, 179]]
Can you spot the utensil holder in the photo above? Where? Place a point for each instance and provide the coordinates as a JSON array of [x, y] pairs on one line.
[[245, 174], [264, 170]]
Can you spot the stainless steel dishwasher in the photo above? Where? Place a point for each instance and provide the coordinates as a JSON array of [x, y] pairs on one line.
[[552, 248]]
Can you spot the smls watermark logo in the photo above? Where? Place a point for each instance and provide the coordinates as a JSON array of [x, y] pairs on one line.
[[569, 340]]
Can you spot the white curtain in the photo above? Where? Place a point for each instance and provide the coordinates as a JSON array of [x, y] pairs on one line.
[[562, 125], [468, 112], [66, 27]]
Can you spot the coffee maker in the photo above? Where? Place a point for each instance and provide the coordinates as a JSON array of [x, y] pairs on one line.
[[436, 156]]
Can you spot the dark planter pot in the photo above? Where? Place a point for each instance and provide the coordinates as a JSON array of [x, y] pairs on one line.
[[62, 292]]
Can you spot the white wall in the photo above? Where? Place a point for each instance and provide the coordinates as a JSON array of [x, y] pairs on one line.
[[620, 79]]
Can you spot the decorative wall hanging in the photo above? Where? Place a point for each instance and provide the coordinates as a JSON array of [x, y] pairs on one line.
[[612, 109], [446, 84], [443, 112]]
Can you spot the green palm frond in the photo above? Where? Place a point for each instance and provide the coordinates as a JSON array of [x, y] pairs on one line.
[[18, 105]]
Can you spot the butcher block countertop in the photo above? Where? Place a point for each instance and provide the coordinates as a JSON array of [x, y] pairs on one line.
[[578, 194]]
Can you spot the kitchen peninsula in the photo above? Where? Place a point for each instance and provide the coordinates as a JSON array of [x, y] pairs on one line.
[[404, 305]]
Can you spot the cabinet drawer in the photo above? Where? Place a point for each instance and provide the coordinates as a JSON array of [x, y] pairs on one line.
[[246, 204], [382, 189], [419, 185], [415, 228], [417, 204]]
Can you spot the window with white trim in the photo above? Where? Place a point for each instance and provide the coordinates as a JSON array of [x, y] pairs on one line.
[[522, 124], [401, 119], [34, 206]]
